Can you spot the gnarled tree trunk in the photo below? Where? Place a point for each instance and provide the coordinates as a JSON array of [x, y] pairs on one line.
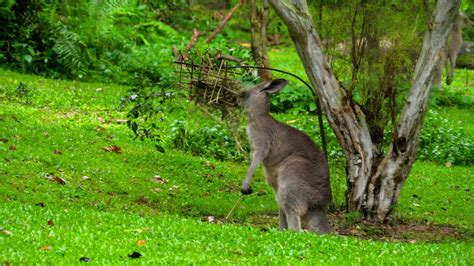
[[374, 185]]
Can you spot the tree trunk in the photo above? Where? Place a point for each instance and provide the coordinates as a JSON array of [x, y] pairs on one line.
[[258, 29], [374, 185]]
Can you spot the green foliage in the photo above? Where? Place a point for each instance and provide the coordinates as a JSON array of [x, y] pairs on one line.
[[100, 40], [25, 40], [460, 98], [71, 51], [208, 140], [148, 104], [296, 98], [442, 142]]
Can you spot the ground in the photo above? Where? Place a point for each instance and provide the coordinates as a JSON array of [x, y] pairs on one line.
[[77, 186]]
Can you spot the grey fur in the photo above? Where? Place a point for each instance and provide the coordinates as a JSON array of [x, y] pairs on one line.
[[295, 167]]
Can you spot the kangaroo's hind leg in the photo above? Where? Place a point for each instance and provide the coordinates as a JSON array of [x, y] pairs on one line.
[[283, 222], [317, 221], [293, 220], [290, 209]]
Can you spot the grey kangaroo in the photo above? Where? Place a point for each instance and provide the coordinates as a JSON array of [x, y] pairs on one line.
[[295, 167]]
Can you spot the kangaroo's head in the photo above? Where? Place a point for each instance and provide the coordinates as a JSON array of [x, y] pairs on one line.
[[256, 101]]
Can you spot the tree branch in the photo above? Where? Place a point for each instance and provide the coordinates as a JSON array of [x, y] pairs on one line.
[[224, 22], [192, 42]]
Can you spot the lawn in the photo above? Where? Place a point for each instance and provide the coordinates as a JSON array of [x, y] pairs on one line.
[[76, 184]]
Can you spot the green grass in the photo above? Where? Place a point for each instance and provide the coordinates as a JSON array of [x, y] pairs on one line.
[[60, 129], [439, 194], [108, 237]]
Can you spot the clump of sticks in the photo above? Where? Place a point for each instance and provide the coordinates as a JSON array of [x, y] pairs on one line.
[[214, 85], [211, 82]]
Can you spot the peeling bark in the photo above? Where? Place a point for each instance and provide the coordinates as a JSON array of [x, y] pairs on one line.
[[374, 181]]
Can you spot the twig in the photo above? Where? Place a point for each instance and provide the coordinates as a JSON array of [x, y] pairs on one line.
[[233, 208], [230, 58], [192, 42]]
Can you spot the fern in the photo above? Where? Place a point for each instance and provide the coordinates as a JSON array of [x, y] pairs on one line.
[[71, 51], [167, 31], [111, 7]]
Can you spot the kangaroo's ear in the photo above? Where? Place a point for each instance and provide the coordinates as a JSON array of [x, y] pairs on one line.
[[275, 85]]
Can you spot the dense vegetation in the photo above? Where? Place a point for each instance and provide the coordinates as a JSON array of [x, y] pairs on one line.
[[79, 180]]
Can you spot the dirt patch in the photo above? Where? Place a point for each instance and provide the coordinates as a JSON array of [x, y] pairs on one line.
[[405, 231], [396, 230]]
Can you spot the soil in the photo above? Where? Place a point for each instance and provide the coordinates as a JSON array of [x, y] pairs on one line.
[[399, 230], [396, 230]]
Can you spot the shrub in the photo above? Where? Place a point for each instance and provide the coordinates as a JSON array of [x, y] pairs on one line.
[[101, 40], [442, 142], [212, 140], [450, 98]]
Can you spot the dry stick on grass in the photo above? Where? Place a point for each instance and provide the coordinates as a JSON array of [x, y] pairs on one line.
[[224, 22]]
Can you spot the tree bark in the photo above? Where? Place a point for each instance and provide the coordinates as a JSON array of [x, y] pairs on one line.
[[374, 185], [258, 29]]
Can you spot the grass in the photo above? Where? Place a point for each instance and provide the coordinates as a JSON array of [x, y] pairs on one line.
[[108, 238], [111, 206]]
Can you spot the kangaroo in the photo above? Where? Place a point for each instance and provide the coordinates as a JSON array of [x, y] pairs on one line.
[[295, 167], [454, 44]]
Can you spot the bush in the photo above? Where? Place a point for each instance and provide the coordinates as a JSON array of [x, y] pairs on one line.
[[296, 99], [213, 140], [91, 40], [442, 142], [449, 98]]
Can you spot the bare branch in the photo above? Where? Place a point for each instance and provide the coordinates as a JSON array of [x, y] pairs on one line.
[[192, 42], [224, 22]]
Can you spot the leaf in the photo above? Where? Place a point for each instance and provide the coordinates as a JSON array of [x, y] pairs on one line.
[[141, 242], [12, 148], [50, 223], [85, 177], [5, 232], [56, 179], [56, 151], [28, 58], [159, 179], [45, 248], [113, 148], [209, 218], [121, 121], [134, 255]]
